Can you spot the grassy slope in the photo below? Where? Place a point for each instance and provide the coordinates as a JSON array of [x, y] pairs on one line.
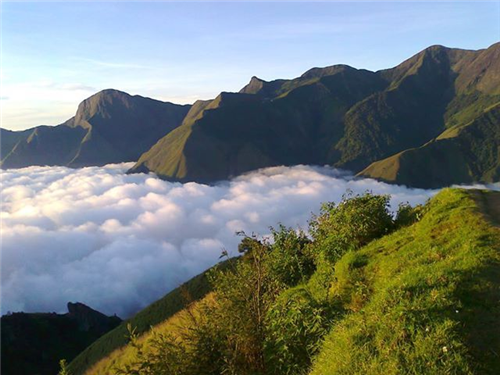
[[461, 154], [154, 314], [127, 354], [423, 300]]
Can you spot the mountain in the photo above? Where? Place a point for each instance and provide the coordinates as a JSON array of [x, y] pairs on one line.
[[109, 127], [9, 139], [344, 117], [281, 123], [432, 110], [34, 343], [462, 154], [467, 150], [418, 294]]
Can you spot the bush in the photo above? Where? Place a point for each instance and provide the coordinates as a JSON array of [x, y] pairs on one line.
[[296, 323], [408, 215], [351, 224], [288, 261]]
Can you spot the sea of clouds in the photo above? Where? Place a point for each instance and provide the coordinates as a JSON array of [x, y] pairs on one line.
[[118, 242]]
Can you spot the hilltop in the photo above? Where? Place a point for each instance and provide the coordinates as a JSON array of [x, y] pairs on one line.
[[33, 343], [367, 293]]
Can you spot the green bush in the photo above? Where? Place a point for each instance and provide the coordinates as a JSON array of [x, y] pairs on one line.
[[288, 262], [295, 324], [353, 223]]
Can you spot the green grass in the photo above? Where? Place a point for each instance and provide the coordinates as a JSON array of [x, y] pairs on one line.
[[153, 315], [423, 300]]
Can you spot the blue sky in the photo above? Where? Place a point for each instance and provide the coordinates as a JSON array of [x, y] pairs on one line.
[[56, 54]]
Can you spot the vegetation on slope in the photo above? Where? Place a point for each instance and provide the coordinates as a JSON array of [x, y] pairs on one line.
[[461, 154], [153, 315], [365, 293]]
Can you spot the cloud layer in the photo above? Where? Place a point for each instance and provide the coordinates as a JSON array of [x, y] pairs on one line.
[[118, 242]]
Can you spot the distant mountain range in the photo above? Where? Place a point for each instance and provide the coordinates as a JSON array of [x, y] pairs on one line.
[[432, 121]]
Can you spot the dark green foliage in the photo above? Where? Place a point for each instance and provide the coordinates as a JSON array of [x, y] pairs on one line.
[[288, 261], [407, 215], [63, 367], [296, 324]]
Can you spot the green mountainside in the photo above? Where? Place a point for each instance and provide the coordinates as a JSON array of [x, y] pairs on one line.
[[375, 124], [109, 127], [461, 154], [366, 294], [338, 116], [33, 343]]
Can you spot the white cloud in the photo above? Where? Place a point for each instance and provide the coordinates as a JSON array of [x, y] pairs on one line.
[[118, 242]]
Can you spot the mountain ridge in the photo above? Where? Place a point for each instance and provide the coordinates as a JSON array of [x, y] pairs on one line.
[[337, 115], [108, 127]]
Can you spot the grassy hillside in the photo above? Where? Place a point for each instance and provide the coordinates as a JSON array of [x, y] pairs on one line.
[[422, 300], [121, 357], [153, 315], [461, 154], [369, 294]]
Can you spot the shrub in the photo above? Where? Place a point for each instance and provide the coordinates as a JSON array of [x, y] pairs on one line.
[[296, 323], [353, 223]]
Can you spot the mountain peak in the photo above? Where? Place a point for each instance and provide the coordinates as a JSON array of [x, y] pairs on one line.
[[326, 71], [254, 86], [88, 318]]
